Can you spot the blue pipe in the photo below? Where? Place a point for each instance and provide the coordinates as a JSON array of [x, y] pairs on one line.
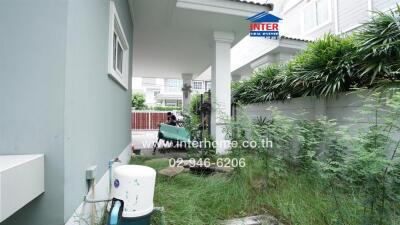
[[114, 215]]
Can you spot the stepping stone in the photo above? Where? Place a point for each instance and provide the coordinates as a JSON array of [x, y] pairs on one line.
[[171, 171], [253, 220]]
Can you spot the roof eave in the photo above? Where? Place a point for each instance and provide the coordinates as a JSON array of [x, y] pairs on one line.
[[229, 7]]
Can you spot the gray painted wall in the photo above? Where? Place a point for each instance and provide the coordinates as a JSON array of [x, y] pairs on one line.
[[341, 108], [97, 109], [32, 62], [344, 108], [57, 99]]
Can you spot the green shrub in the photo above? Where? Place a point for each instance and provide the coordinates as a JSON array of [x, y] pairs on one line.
[[260, 87], [324, 68], [362, 160], [369, 58], [379, 48], [138, 101]]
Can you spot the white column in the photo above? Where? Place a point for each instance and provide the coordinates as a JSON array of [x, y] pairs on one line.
[[236, 77], [186, 89], [221, 87]]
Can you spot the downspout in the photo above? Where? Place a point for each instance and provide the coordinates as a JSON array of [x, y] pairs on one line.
[[110, 164]]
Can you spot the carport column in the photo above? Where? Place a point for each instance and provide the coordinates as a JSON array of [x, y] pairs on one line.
[[186, 90], [221, 87]]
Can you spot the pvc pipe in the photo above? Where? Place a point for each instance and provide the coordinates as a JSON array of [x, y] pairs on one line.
[[110, 164], [114, 215]]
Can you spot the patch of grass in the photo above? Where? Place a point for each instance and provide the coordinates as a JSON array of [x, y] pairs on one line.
[[295, 199], [303, 200]]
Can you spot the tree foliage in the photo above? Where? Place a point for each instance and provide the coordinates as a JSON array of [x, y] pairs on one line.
[[138, 101]]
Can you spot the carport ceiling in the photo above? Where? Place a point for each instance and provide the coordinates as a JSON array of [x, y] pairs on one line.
[[170, 40]]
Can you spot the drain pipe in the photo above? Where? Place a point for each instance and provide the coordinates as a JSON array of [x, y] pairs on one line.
[[110, 164]]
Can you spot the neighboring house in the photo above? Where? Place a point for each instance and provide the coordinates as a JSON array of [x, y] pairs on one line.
[[200, 86], [166, 92], [171, 94]]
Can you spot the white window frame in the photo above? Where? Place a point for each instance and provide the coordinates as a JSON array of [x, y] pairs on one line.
[[198, 82], [115, 27], [319, 26], [207, 85]]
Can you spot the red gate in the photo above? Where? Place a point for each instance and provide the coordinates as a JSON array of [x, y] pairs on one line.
[[147, 120]]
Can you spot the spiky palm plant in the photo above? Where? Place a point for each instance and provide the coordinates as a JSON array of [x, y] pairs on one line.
[[379, 48], [259, 88], [325, 68]]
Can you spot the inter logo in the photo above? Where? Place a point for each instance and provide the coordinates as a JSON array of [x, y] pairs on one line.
[[265, 25]]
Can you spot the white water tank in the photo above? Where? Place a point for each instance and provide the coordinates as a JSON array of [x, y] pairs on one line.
[[134, 185]]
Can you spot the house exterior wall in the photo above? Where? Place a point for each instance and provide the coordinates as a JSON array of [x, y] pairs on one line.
[[384, 5], [348, 15], [57, 99], [351, 14], [293, 21], [97, 109], [32, 80]]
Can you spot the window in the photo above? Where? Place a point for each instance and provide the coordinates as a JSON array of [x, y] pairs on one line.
[[118, 48], [198, 85], [171, 102], [173, 85], [208, 85], [155, 93], [316, 14]]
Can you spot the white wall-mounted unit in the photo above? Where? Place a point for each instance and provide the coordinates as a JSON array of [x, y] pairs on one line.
[[21, 181]]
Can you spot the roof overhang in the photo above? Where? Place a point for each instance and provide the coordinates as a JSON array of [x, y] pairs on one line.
[[283, 45], [236, 8], [172, 37], [253, 52]]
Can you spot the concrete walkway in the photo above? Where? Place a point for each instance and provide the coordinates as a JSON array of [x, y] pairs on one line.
[[144, 141]]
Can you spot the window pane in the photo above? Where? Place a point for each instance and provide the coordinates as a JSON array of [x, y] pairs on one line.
[[197, 85], [310, 20], [173, 85], [322, 11], [120, 58], [114, 51]]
